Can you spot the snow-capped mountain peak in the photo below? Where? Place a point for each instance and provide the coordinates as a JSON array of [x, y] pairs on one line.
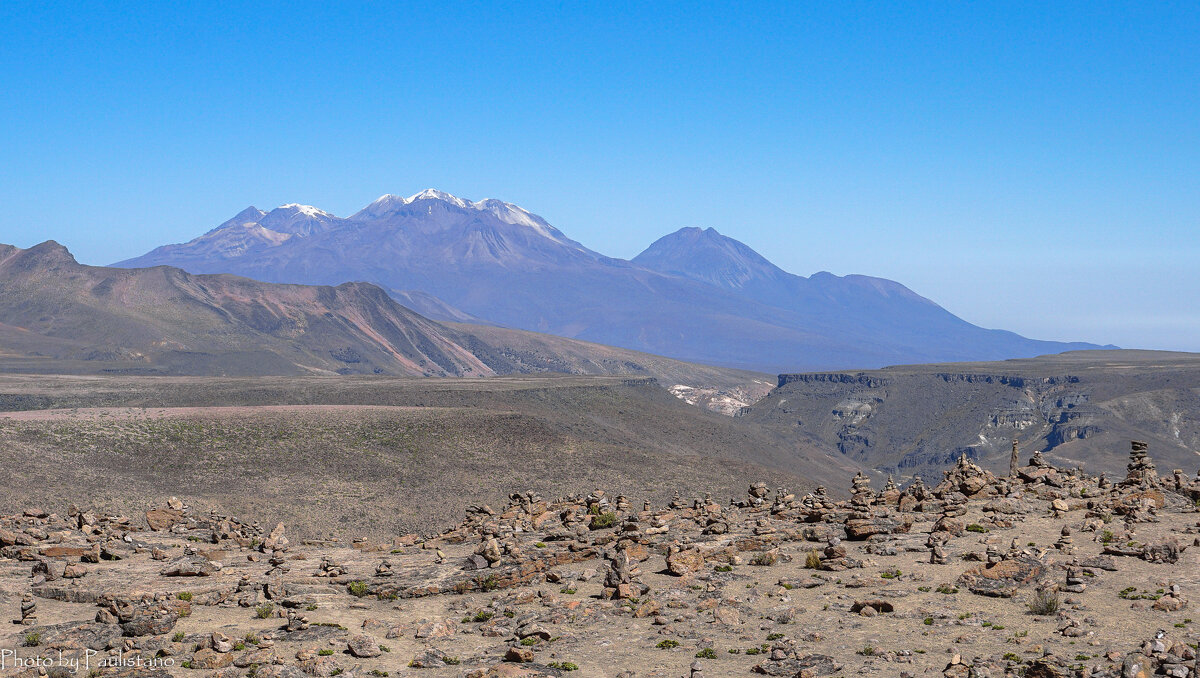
[[434, 194], [506, 212], [307, 210]]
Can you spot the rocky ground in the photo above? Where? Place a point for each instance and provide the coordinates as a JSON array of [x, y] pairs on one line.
[[1043, 572]]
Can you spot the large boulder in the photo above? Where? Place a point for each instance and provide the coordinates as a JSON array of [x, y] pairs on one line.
[[1002, 579]]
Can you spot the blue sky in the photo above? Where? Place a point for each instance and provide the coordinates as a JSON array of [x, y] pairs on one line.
[[1030, 166]]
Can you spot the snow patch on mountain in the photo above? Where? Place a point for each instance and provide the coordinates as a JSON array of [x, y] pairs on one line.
[[307, 210]]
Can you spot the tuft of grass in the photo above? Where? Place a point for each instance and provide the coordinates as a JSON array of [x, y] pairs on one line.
[[812, 560], [178, 637], [264, 611], [765, 559], [976, 527], [1045, 602], [324, 653], [33, 639], [890, 574], [706, 653], [667, 644], [185, 596], [451, 661], [357, 588]]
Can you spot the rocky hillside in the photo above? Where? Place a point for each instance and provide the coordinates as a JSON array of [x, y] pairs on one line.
[[1077, 408], [1045, 573], [58, 316]]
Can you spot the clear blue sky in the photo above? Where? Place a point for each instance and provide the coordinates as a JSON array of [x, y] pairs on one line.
[[1030, 166]]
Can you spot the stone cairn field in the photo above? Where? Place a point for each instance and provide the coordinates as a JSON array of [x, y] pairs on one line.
[[1044, 572]]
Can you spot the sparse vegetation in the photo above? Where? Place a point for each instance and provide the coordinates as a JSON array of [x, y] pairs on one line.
[[812, 560], [1045, 602], [604, 520]]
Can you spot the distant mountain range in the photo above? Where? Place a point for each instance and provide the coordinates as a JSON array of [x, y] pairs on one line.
[[694, 295], [58, 316]]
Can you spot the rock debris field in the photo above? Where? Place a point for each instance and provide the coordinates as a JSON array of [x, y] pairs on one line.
[[1043, 572]]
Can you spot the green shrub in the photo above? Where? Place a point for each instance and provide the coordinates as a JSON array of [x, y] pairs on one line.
[[706, 653], [357, 588], [185, 596], [812, 560], [264, 611], [33, 639], [604, 520], [667, 644]]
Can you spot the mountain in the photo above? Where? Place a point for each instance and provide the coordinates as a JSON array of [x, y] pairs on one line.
[[57, 316], [1078, 408], [694, 295], [866, 310]]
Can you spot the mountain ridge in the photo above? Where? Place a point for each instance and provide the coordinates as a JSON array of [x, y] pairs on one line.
[[694, 295], [62, 316]]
